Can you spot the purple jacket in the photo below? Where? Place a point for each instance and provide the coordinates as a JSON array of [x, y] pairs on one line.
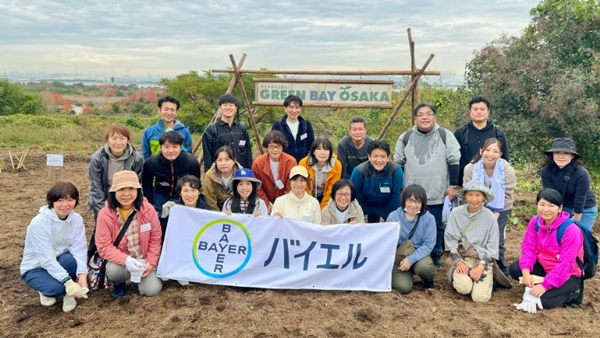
[[559, 261]]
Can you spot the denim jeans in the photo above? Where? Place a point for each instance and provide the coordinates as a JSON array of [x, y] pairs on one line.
[[588, 216], [436, 211], [39, 279]]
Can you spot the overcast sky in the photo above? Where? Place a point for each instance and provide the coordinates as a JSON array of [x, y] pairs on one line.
[[172, 37]]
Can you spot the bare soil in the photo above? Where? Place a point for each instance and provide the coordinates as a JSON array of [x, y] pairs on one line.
[[215, 311]]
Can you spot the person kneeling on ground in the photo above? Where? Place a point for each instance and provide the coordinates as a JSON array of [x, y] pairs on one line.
[[416, 241], [471, 236], [137, 253], [54, 258], [546, 266]]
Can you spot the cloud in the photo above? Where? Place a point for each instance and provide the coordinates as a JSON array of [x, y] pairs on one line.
[[146, 37]]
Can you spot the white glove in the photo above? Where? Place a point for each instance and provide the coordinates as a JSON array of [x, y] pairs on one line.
[[537, 301], [530, 303], [133, 265]]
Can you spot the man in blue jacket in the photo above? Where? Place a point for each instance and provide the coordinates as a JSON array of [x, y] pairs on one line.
[[378, 182], [168, 107], [298, 132]]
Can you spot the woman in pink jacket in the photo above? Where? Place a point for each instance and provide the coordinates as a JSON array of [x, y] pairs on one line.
[[550, 269], [139, 249]]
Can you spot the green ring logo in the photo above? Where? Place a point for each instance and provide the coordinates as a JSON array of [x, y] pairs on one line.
[[222, 250]]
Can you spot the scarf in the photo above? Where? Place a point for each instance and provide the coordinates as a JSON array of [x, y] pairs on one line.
[[497, 184], [133, 236]]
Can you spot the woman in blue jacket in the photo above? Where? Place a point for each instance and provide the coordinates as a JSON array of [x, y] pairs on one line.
[[416, 241]]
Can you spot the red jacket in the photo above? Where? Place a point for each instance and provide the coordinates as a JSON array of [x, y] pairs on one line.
[[261, 167], [108, 227]]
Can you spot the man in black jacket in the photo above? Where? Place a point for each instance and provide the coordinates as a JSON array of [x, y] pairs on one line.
[[227, 132], [163, 170], [472, 135], [298, 132]]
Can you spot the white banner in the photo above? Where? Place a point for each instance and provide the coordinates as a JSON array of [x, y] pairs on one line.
[[272, 252]]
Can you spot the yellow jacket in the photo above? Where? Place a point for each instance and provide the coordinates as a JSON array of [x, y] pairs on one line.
[[333, 176]]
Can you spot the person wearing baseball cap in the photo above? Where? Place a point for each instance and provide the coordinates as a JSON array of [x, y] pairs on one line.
[[298, 204], [564, 172], [139, 248], [245, 199]]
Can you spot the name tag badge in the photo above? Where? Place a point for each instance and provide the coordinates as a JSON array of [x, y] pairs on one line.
[[242, 143], [279, 184], [145, 227], [384, 190], [303, 136], [307, 219]]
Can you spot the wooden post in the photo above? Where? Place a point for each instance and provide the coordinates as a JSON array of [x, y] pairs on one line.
[[415, 96], [408, 91], [216, 114], [238, 75]]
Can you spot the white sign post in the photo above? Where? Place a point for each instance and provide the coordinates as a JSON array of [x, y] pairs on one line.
[[55, 161]]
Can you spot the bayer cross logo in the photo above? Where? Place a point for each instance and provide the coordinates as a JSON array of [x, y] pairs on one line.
[[222, 248]]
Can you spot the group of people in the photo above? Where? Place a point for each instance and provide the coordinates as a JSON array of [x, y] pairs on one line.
[[303, 178]]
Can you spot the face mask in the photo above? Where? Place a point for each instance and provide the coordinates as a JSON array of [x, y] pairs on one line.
[[412, 213]]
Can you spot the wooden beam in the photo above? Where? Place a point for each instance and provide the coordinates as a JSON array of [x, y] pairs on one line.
[[399, 105], [331, 105], [246, 103], [273, 79], [216, 114], [328, 72], [416, 95]]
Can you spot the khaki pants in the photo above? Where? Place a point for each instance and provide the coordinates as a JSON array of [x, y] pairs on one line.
[[480, 291], [402, 281], [149, 286]]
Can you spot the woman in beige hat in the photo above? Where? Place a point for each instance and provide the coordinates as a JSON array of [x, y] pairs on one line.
[[471, 236], [139, 248], [298, 204]]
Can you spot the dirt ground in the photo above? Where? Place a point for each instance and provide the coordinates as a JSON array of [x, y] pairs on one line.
[[214, 311]]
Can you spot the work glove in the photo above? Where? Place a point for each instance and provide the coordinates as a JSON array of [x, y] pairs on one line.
[[536, 301], [74, 290], [133, 265], [530, 303]]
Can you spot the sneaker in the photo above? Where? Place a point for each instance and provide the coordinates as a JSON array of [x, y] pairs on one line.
[[119, 291], [47, 301], [428, 284], [69, 303], [183, 282]]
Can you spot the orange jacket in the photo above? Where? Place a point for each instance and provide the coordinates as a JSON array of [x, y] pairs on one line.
[[333, 176], [261, 167]]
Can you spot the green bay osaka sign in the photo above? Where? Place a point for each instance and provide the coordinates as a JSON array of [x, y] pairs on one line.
[[324, 92]]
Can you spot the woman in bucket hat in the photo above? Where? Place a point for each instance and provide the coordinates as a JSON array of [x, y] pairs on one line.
[[298, 204], [245, 200], [564, 172], [472, 238], [139, 248]]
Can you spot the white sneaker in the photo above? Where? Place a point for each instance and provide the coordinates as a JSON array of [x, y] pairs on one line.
[[69, 303], [47, 301], [183, 282]]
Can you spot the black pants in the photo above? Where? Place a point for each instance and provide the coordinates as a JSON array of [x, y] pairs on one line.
[[565, 294], [92, 247]]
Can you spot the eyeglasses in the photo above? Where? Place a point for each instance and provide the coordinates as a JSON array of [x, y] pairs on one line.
[[413, 201], [428, 114], [274, 147], [343, 194]]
